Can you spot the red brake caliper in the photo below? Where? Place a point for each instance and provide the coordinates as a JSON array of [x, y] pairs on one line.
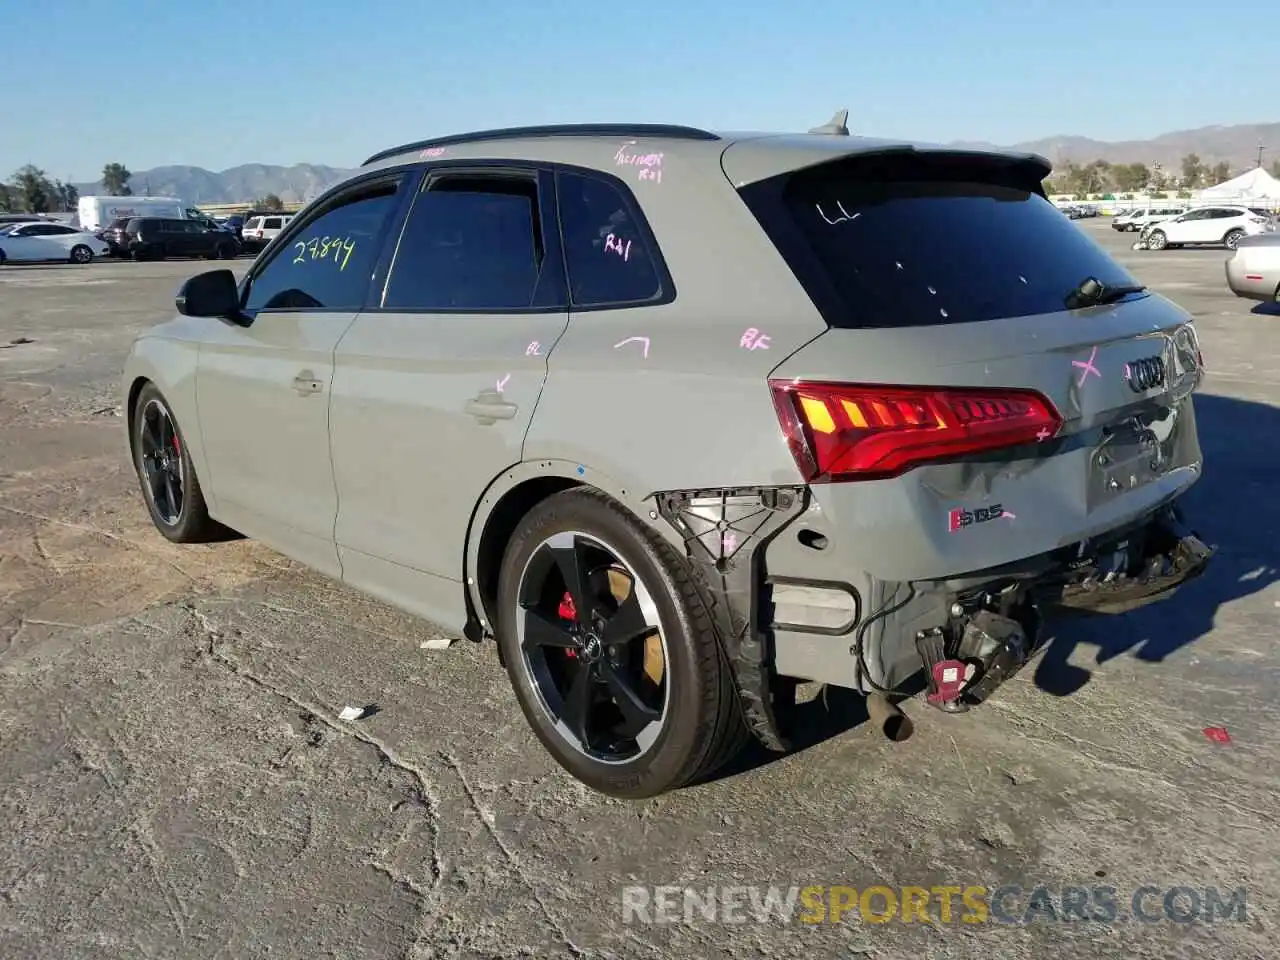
[[569, 612]]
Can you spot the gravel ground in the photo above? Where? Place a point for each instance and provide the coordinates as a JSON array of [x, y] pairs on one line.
[[175, 780]]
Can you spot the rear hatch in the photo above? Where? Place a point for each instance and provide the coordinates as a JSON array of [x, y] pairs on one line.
[[992, 385]]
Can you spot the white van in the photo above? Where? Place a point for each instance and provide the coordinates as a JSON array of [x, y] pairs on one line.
[[1152, 214], [97, 212]]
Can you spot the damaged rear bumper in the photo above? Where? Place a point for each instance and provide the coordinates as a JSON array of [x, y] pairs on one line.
[[991, 630]]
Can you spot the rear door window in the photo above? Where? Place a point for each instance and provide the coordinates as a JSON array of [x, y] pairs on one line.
[[608, 255], [272, 223], [474, 242], [902, 242]]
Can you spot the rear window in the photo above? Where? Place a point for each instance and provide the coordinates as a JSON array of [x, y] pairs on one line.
[[910, 241], [254, 224]]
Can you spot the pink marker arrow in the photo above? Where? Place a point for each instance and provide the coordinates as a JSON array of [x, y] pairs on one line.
[[644, 340]]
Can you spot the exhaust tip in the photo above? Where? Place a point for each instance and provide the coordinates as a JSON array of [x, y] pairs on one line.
[[888, 719]]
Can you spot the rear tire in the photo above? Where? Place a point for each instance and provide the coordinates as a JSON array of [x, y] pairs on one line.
[[1232, 239], [699, 724], [165, 473], [1157, 240]]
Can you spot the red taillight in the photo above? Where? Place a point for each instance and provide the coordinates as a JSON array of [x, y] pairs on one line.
[[867, 432]]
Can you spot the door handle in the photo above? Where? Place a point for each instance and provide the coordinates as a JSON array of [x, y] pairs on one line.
[[306, 383], [488, 406]]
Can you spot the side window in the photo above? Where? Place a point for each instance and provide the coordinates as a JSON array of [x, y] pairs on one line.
[[330, 261], [471, 242], [272, 223], [609, 262]]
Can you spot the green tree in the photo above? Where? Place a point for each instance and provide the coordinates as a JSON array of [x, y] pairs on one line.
[[115, 180], [68, 195], [1131, 177], [1220, 173], [1093, 178], [270, 202], [35, 193], [7, 200], [1192, 170]]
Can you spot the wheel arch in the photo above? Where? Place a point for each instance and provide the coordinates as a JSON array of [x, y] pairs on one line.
[[170, 365], [508, 499]]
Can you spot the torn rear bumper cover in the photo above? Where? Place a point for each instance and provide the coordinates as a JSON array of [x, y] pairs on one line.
[[992, 628]]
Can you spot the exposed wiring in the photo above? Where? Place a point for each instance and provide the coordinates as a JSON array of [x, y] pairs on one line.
[[861, 634]]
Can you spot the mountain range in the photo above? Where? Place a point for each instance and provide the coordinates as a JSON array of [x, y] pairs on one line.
[[1237, 145], [247, 182]]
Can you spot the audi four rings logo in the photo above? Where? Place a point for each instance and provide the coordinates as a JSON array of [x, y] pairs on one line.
[[1144, 374]]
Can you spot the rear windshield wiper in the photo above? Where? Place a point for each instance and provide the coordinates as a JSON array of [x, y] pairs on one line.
[[1092, 292]]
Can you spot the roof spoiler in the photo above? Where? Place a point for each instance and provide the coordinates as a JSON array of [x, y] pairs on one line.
[[837, 126]]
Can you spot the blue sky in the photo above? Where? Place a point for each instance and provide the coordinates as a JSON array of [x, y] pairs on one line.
[[150, 83]]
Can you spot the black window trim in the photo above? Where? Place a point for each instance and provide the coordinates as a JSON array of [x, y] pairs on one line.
[[299, 221], [424, 175], [666, 285]]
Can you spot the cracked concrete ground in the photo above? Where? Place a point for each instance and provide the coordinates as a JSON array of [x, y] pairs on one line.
[[174, 781]]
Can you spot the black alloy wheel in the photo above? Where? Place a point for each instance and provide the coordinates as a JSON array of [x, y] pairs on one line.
[[593, 648]]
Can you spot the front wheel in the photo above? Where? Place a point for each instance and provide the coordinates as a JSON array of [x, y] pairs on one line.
[[611, 650], [81, 254], [168, 480], [1157, 240], [1232, 239]]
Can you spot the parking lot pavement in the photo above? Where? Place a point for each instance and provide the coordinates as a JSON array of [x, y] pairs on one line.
[[174, 780]]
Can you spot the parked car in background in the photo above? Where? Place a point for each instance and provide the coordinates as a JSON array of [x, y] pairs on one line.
[[235, 223], [1121, 220], [40, 240], [156, 238], [1224, 225], [114, 234], [1145, 216], [9, 219], [1253, 269], [260, 231], [896, 407]]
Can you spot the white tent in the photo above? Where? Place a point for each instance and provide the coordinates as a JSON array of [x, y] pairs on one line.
[[1256, 185]]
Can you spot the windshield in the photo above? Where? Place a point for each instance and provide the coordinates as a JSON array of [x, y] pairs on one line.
[[918, 244]]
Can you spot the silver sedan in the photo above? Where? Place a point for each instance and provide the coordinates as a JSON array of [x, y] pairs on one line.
[[1253, 270]]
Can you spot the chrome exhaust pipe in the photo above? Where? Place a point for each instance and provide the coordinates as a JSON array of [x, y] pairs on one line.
[[888, 719]]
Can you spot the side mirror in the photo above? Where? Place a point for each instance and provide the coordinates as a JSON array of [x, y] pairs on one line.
[[210, 294]]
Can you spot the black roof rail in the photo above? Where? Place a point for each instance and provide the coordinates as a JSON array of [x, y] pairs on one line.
[[670, 131]]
